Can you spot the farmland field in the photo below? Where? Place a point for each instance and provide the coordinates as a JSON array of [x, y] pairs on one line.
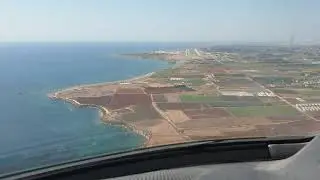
[[206, 113], [177, 116], [163, 90], [235, 103], [198, 98], [159, 98], [141, 112], [301, 91], [308, 92], [180, 106], [284, 91], [261, 111], [227, 75], [196, 81], [271, 101], [123, 100], [273, 80], [222, 101], [129, 91], [172, 98], [164, 73], [230, 81]]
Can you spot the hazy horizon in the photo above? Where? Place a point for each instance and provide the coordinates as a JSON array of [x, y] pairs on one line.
[[205, 21]]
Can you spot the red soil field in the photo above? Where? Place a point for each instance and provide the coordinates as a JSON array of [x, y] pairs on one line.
[[141, 113], [123, 100], [159, 98]]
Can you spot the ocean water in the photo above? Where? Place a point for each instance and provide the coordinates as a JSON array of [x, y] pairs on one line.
[[37, 131]]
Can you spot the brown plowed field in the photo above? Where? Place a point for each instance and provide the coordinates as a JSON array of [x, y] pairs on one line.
[[177, 116], [173, 98], [159, 98], [292, 128], [123, 100], [293, 100], [205, 123], [315, 114], [206, 113], [271, 101], [142, 112]]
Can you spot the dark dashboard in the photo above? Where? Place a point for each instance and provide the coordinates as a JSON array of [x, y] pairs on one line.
[[258, 158]]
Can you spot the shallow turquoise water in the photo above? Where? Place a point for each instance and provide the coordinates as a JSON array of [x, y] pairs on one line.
[[35, 130]]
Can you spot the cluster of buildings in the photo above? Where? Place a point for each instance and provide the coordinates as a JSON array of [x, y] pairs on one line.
[[308, 107], [265, 94], [243, 93], [176, 79], [167, 52], [236, 93]]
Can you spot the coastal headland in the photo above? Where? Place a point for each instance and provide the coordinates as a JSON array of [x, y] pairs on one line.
[[208, 94]]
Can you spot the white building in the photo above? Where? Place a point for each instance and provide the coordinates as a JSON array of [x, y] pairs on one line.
[[236, 93], [176, 79]]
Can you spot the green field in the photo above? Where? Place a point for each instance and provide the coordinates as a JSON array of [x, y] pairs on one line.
[[198, 98], [274, 80], [235, 103], [260, 111], [271, 101], [222, 101], [211, 98], [196, 81], [165, 73], [284, 91], [304, 92], [308, 92]]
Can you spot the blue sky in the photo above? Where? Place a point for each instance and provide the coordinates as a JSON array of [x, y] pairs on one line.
[[162, 20]]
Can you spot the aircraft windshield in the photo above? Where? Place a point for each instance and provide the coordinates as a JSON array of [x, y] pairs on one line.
[[85, 78]]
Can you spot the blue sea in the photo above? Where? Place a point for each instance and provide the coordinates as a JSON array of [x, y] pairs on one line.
[[37, 131]]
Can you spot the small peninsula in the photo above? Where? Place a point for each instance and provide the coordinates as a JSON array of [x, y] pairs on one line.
[[210, 93]]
